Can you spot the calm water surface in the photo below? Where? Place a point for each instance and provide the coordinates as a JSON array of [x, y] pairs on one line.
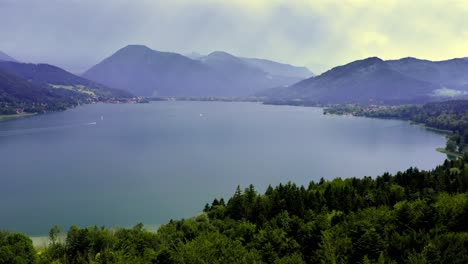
[[153, 162]]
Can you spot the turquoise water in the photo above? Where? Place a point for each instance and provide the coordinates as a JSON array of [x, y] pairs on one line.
[[153, 162]]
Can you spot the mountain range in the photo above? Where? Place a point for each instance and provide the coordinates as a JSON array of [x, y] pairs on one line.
[[143, 71], [374, 80], [139, 70]]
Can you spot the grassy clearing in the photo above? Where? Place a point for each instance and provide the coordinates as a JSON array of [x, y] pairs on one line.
[[76, 88], [8, 117], [449, 153]]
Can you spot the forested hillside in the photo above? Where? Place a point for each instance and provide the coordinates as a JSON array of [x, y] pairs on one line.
[[19, 95], [411, 217], [50, 76], [38, 88]]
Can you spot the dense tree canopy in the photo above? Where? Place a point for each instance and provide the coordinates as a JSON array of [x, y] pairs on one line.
[[411, 217], [43, 88]]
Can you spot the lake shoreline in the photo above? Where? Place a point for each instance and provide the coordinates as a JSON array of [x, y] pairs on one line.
[[41, 241]]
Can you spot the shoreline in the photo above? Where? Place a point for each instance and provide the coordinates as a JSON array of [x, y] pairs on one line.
[[41, 241], [439, 130], [445, 132]]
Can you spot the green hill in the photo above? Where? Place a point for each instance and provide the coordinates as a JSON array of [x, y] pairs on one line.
[[18, 95], [46, 75], [37, 88]]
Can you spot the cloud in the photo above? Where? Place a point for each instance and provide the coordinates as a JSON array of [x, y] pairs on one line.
[[318, 34]]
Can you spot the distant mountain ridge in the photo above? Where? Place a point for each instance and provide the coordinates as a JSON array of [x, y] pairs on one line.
[[5, 57], [268, 66], [256, 74], [147, 72], [280, 69], [451, 74], [374, 80], [240, 75]]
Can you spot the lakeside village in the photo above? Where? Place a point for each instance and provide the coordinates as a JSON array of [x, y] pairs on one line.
[[132, 100]]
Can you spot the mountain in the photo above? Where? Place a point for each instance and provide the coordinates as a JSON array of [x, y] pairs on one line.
[[371, 80], [251, 76], [148, 72], [49, 76], [5, 57], [229, 64], [246, 79], [273, 68]]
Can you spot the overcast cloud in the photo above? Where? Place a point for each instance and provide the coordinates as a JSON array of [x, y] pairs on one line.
[[77, 34]]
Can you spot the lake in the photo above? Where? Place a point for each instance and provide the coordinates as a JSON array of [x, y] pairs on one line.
[[118, 165]]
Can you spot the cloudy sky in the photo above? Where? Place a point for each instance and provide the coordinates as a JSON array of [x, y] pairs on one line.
[[76, 34]]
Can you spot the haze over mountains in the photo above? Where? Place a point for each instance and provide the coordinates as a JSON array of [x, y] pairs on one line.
[[143, 71], [268, 66], [6, 57], [374, 80], [146, 72], [450, 74], [280, 69]]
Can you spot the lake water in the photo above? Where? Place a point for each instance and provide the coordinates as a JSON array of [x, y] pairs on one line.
[[153, 162]]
